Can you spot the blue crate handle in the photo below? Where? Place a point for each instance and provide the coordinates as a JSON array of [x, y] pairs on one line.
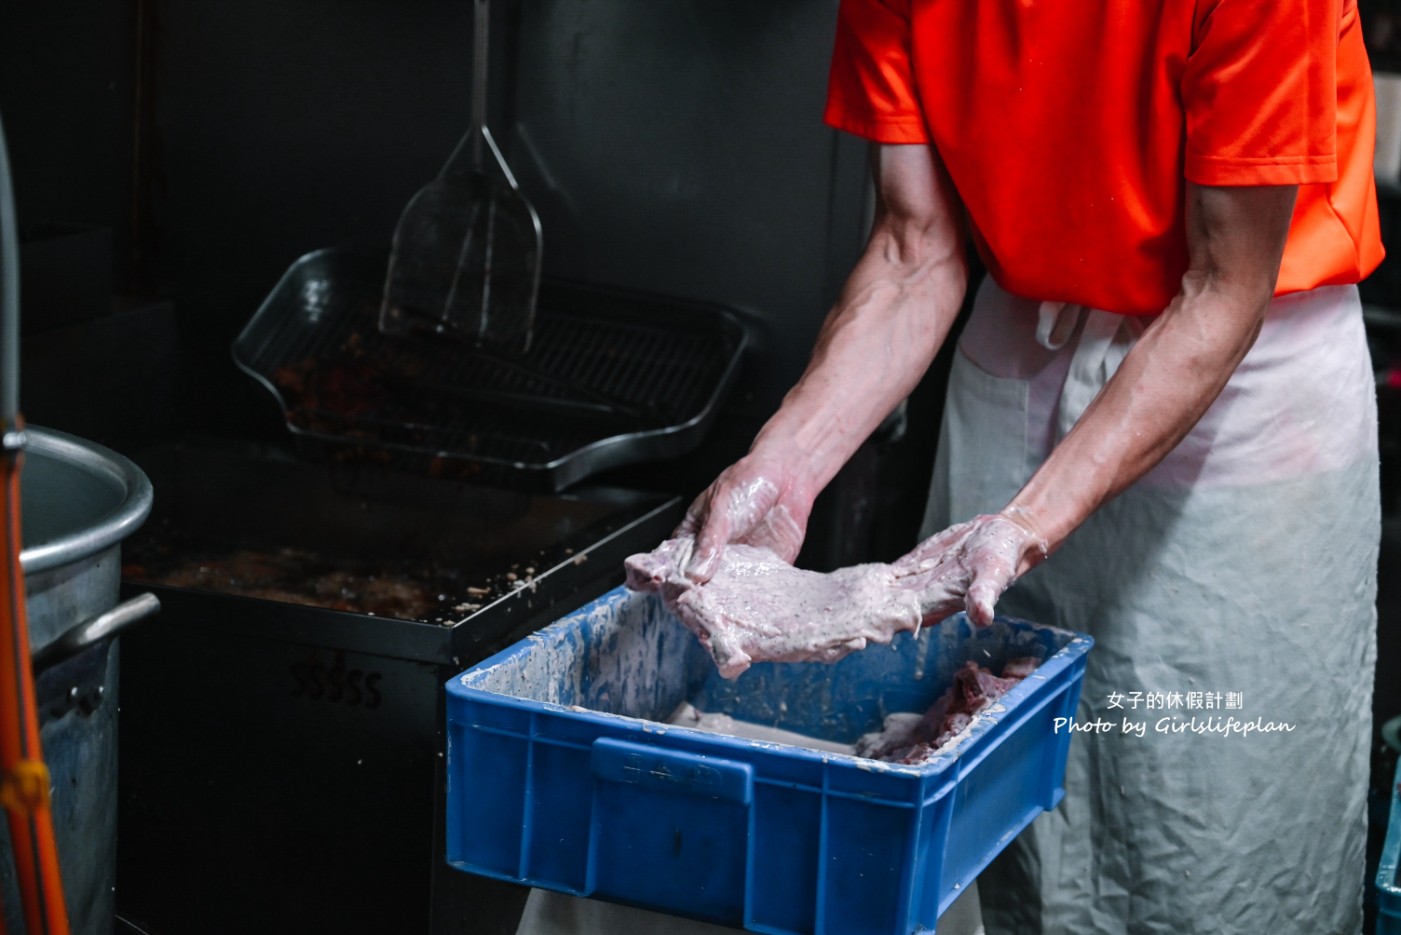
[[665, 770]]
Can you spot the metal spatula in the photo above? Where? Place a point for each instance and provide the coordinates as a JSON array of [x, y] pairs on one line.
[[466, 253]]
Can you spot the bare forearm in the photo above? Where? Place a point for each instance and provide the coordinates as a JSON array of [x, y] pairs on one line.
[[1178, 368], [891, 319], [1165, 384], [885, 328]]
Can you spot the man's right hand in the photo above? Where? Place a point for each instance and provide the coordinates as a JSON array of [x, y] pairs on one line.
[[892, 315], [756, 501]]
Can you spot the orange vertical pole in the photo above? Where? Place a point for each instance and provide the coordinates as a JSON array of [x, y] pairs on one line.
[[24, 779]]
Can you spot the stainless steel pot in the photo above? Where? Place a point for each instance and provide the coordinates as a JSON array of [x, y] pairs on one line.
[[79, 501]]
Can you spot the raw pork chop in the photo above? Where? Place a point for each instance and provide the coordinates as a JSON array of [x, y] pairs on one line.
[[914, 738], [759, 608]]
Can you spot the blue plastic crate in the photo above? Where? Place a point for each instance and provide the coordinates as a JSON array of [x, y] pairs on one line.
[[561, 775], [1389, 868]]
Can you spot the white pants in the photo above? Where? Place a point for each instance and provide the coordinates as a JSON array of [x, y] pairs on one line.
[[1244, 565]]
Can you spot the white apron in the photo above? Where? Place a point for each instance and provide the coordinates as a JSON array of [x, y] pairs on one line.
[[1240, 574], [550, 913]]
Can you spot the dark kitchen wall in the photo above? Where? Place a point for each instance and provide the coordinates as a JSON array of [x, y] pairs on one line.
[[279, 128], [91, 363], [674, 147], [678, 147], [284, 127], [65, 96], [670, 146]]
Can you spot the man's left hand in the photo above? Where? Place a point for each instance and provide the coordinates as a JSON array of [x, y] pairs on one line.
[[968, 566]]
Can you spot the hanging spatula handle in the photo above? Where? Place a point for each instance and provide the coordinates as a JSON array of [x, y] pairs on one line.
[[481, 36], [472, 146]]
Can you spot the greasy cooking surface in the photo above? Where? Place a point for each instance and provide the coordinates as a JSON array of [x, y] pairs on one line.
[[609, 379], [295, 576], [261, 524], [433, 592]]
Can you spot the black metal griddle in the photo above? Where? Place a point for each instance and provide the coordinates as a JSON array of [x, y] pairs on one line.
[[488, 558], [611, 378], [314, 607], [283, 760]]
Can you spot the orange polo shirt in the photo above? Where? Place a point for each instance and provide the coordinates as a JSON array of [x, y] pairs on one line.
[[1070, 129]]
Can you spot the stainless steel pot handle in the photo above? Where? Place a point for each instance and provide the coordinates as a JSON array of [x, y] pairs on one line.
[[90, 632]]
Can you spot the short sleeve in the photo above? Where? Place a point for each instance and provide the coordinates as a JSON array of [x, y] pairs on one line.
[[1259, 91], [871, 88]]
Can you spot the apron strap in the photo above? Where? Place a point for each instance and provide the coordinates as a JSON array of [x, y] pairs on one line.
[[1105, 340], [1055, 322]]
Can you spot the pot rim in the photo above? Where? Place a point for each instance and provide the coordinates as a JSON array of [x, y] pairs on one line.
[[106, 531]]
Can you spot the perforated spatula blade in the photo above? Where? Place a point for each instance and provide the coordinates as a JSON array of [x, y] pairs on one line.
[[466, 254]]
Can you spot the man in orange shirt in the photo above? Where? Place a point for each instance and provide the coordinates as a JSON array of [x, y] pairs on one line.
[[1164, 388]]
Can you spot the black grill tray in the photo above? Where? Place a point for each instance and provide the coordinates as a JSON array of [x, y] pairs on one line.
[[611, 378]]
